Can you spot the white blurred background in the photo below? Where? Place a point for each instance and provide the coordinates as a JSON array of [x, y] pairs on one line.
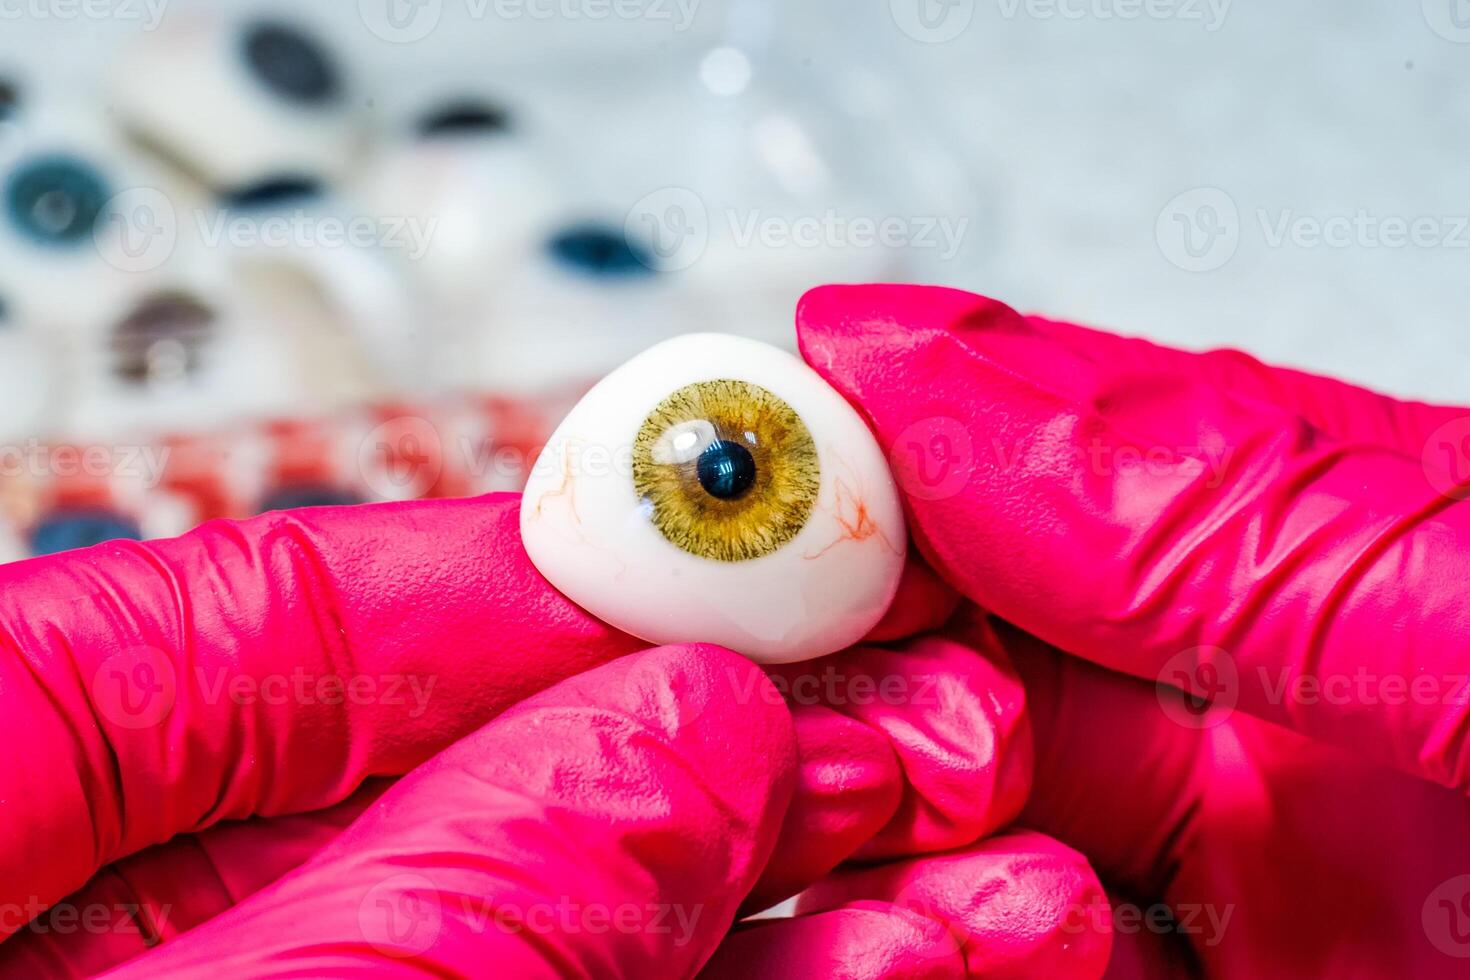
[[1078, 121], [547, 186]]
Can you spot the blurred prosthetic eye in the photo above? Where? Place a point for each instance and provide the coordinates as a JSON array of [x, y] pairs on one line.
[[9, 98], [464, 118], [594, 250], [273, 192], [161, 340], [715, 489], [290, 63], [236, 102], [55, 200]]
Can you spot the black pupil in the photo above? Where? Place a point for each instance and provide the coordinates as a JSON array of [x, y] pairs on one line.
[[9, 97], [726, 470], [464, 118], [290, 64], [599, 251], [56, 200], [274, 192]]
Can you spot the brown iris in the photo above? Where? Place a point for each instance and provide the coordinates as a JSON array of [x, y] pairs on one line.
[[727, 470]]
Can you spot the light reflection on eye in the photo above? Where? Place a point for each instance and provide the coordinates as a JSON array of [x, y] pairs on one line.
[[715, 489]]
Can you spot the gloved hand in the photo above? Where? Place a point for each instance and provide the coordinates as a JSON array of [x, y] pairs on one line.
[[196, 727], [1288, 549]]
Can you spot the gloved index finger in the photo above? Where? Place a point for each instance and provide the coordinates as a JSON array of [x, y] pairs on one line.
[[1163, 527], [262, 667]]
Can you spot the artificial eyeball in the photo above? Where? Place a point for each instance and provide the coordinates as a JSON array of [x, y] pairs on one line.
[[55, 201], [485, 192], [198, 353], [351, 308], [77, 207], [716, 489], [238, 102]]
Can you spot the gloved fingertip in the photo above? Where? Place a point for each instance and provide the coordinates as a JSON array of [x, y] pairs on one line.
[[848, 787], [860, 941], [718, 713], [923, 602], [955, 714], [1024, 905]]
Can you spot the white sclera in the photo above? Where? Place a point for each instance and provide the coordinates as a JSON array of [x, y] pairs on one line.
[[585, 528]]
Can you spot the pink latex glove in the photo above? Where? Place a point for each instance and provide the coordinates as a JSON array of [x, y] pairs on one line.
[[1287, 547], [195, 720]]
